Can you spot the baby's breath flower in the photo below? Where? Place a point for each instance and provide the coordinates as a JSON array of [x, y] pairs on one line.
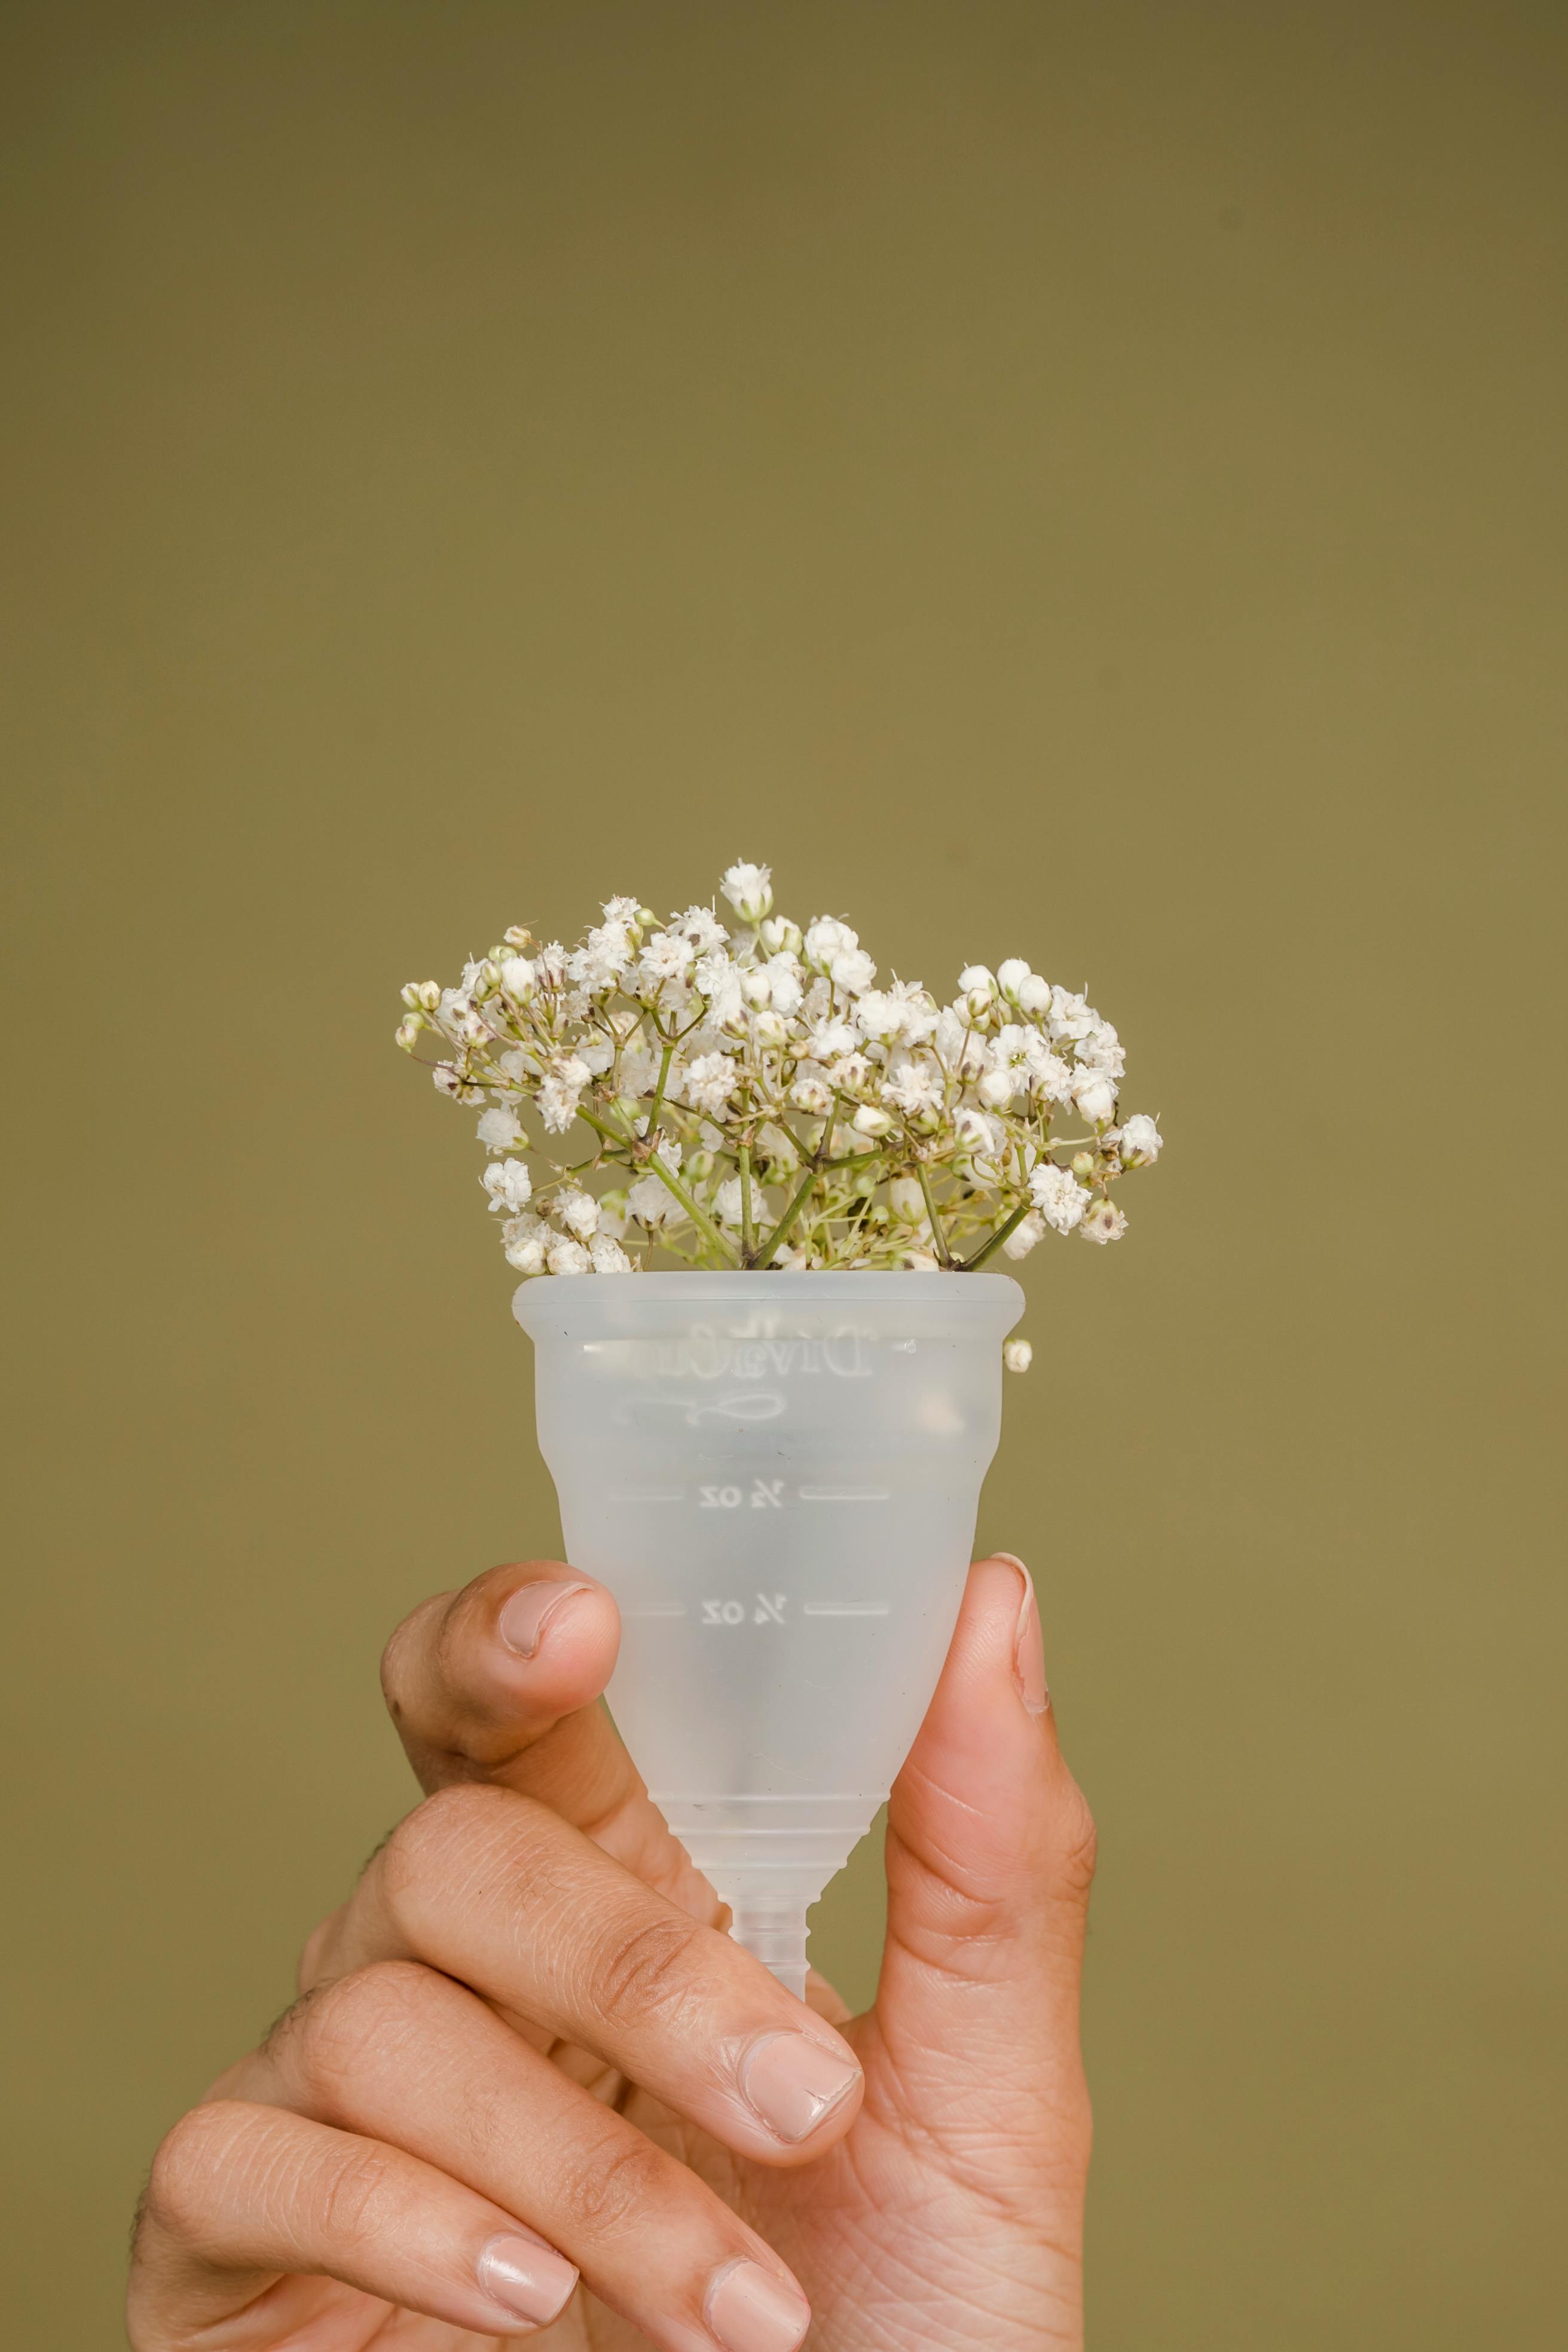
[[1018, 1355], [499, 1130], [525, 1241], [709, 1083], [860, 1126], [853, 971], [1025, 1236], [749, 891], [1058, 1195], [915, 1088], [509, 1185], [825, 939], [1095, 1096], [577, 1210], [812, 1094]]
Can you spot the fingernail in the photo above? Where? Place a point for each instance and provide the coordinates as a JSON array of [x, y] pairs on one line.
[[527, 2278], [1028, 1645], [749, 2310], [793, 2082], [522, 1622]]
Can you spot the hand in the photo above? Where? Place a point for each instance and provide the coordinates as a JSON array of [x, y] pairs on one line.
[[526, 2052]]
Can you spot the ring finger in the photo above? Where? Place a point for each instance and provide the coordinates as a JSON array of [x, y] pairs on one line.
[[400, 2054]]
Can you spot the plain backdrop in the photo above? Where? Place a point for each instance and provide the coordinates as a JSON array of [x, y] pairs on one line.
[[1079, 482]]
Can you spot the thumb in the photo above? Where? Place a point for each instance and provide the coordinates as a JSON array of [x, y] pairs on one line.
[[991, 1852]]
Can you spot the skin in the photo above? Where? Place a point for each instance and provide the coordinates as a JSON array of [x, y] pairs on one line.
[[528, 2013]]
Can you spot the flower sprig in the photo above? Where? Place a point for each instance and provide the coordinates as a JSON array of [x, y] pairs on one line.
[[750, 1097]]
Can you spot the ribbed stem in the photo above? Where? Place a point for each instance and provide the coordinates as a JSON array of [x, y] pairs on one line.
[[773, 1929]]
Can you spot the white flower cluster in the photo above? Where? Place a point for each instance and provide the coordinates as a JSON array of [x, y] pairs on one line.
[[754, 1098]]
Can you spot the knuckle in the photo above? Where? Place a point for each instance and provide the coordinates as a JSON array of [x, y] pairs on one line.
[[1077, 1847], [179, 2193], [610, 2181], [396, 1670], [644, 1970], [429, 1842], [326, 2039], [354, 2192]]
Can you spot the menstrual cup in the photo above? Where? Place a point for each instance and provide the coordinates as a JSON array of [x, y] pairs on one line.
[[778, 1476]]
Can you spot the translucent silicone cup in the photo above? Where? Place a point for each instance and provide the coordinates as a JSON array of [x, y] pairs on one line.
[[777, 1476]]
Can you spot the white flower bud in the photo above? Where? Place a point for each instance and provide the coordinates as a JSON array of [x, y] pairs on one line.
[[906, 1200], [812, 1094], [1084, 1164], [407, 1032], [1095, 1096], [1011, 976], [1104, 1224], [853, 971], [516, 977], [779, 936], [996, 1089], [870, 1120], [1140, 1141], [749, 891], [1018, 1355], [608, 1256], [771, 1029], [526, 1251], [1023, 1237], [568, 1257], [1034, 995]]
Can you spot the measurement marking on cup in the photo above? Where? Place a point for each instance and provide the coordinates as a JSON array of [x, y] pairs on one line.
[[844, 1495], [765, 1495], [670, 1495], [844, 1608], [654, 1612], [764, 1608]]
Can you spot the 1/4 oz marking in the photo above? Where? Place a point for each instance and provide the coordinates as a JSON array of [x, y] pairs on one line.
[[763, 1609]]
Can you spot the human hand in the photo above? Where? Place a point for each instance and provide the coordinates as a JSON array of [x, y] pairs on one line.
[[525, 2053]]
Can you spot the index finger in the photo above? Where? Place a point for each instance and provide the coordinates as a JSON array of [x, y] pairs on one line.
[[502, 1681]]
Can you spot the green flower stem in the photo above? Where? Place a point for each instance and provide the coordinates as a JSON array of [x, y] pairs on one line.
[[769, 1249], [944, 1255], [972, 1265], [745, 1232], [659, 1089], [672, 1184]]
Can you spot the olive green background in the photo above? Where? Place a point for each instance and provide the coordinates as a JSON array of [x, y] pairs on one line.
[[1083, 482]]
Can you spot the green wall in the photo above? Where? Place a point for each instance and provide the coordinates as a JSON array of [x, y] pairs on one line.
[[1085, 482]]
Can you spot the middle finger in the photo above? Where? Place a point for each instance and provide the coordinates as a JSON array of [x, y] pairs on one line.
[[494, 1889]]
